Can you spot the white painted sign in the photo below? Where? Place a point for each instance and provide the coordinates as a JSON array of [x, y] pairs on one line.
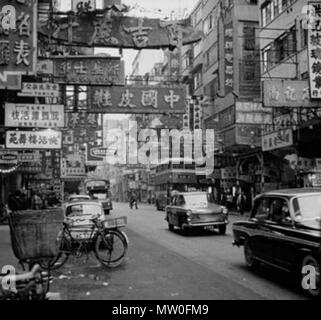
[[44, 139], [36, 89], [8, 157], [277, 140], [34, 115]]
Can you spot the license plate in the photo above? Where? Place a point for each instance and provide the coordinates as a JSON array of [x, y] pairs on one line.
[[210, 228]]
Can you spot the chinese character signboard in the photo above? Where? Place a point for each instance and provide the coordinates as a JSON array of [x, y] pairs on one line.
[[287, 93], [121, 31], [39, 89], [134, 99], [229, 60], [89, 70], [277, 140], [81, 6], [18, 43], [44, 67], [27, 156], [34, 115], [314, 51], [252, 113], [73, 165], [44, 139]]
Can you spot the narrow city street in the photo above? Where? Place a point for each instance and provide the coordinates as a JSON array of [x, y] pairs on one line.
[[166, 265]]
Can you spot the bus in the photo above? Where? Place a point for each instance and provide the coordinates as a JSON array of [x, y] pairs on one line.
[[174, 175], [100, 189]]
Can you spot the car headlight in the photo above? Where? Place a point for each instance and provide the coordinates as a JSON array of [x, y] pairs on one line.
[[224, 210], [189, 213]]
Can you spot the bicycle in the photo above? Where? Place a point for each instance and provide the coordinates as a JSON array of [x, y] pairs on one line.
[[33, 285], [105, 239]]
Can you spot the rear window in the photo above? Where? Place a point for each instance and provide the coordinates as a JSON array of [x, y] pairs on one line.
[[198, 200], [83, 209], [308, 207]]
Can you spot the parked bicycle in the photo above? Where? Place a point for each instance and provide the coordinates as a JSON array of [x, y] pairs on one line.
[[33, 285], [101, 237]]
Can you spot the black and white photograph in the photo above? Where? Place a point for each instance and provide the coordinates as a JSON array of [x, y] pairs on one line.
[[160, 155]]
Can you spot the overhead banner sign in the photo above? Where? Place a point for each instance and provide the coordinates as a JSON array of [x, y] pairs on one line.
[[73, 166], [89, 70], [18, 41], [277, 140], [33, 156], [44, 139], [288, 93], [314, 49], [252, 113], [34, 115], [40, 89], [118, 31], [135, 99]]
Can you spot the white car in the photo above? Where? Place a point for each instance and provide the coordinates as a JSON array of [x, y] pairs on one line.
[[78, 197]]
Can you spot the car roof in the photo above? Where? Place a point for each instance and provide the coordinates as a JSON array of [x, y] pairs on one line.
[[83, 202], [190, 193], [293, 192]]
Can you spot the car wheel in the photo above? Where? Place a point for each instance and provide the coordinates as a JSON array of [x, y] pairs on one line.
[[222, 229], [313, 289], [250, 260]]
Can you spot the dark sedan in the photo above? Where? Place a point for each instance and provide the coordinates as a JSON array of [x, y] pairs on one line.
[[196, 209], [284, 230]]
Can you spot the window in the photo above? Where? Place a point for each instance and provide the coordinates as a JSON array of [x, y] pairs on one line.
[[208, 24], [304, 36], [197, 79], [272, 9], [261, 209], [279, 210], [180, 201], [197, 49], [210, 56]]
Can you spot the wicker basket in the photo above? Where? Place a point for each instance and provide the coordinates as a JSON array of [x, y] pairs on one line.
[[34, 233]]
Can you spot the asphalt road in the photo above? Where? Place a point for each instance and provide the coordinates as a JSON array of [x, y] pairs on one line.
[[167, 265]]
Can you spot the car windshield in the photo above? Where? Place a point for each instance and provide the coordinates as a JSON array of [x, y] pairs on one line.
[[84, 209], [198, 200], [308, 209]]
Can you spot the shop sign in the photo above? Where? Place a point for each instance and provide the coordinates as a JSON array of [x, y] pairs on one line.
[[8, 157], [40, 89], [228, 56], [137, 99], [44, 67], [314, 50], [252, 113], [18, 42], [73, 165], [28, 157], [89, 70], [43, 139], [288, 93], [120, 31], [277, 140], [34, 115], [81, 6]]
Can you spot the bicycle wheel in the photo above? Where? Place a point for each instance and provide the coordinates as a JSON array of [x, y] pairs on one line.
[[111, 248], [64, 245]]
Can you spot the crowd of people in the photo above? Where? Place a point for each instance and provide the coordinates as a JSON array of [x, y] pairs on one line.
[[37, 200]]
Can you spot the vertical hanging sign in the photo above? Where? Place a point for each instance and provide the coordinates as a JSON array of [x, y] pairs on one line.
[[228, 49], [314, 50], [18, 41]]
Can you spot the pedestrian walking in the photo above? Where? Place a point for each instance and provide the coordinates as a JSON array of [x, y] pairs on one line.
[[241, 203]]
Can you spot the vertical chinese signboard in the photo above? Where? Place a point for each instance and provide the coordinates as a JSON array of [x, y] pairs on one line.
[[314, 51], [228, 47], [18, 41]]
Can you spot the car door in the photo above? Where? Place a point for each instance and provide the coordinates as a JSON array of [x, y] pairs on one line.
[[258, 228], [281, 224], [180, 209], [171, 211]]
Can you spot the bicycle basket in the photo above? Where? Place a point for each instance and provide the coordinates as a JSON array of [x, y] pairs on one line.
[[115, 222], [34, 233]]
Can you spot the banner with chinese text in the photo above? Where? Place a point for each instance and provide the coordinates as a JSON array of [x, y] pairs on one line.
[[314, 51], [18, 41], [278, 139], [34, 115], [40, 89], [287, 93], [44, 139], [89, 70], [135, 99], [117, 31]]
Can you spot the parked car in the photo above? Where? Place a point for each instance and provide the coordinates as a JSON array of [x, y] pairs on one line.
[[196, 209], [284, 230], [78, 197]]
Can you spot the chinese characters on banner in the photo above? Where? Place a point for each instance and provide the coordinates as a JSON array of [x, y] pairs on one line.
[[18, 46], [34, 89], [34, 115], [89, 70], [134, 99], [314, 52], [287, 93], [121, 31], [252, 113], [44, 139], [229, 60], [277, 139]]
